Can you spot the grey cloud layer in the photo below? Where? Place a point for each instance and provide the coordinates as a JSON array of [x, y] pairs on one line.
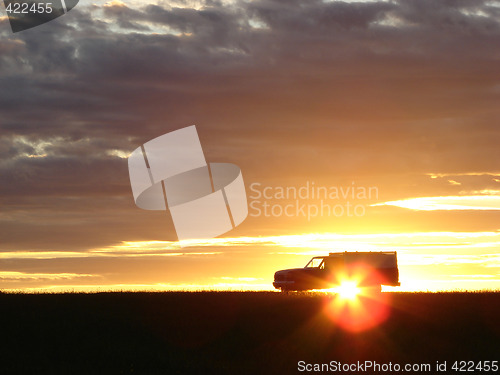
[[323, 88]]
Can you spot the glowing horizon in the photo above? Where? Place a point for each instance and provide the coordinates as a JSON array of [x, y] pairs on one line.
[[465, 260]]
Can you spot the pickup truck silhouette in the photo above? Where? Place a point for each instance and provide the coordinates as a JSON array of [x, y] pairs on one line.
[[366, 269]]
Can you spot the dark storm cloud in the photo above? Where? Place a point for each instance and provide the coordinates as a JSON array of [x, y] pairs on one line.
[[306, 88]]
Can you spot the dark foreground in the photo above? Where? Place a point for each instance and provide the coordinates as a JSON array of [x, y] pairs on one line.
[[235, 333]]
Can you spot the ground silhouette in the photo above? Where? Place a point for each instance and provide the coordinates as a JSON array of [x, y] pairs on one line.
[[234, 332]]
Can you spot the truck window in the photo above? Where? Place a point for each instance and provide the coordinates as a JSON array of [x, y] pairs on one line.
[[316, 263]]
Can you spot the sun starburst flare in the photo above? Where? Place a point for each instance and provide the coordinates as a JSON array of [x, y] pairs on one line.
[[348, 290]]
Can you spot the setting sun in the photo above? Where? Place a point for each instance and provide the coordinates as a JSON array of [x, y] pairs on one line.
[[357, 309], [348, 290]]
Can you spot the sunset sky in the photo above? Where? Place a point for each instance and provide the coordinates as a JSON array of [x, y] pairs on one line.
[[399, 98]]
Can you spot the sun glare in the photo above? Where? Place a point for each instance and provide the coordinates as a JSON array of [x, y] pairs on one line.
[[348, 290], [357, 303]]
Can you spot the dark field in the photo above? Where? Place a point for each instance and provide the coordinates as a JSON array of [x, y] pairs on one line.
[[234, 332]]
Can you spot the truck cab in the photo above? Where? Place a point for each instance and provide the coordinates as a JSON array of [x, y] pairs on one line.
[[367, 269]]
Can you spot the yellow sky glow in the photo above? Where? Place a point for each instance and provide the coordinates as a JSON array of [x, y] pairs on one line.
[[428, 261]]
